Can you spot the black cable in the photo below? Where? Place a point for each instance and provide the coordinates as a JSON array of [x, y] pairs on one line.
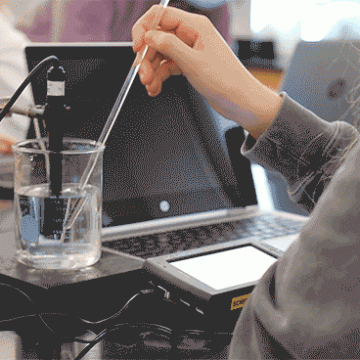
[[48, 318], [52, 59], [167, 331], [5, 323], [116, 327], [154, 327], [56, 316], [173, 336], [51, 321], [116, 314], [17, 289]]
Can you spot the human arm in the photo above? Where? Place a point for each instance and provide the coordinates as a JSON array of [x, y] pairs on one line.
[[303, 148], [5, 144], [36, 21], [196, 50], [13, 71], [307, 304], [189, 44]]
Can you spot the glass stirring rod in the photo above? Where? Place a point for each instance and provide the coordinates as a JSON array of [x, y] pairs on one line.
[[72, 214]]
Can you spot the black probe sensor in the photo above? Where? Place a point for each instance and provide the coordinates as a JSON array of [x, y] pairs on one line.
[[54, 116]]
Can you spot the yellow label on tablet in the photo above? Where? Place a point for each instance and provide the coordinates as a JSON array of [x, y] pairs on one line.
[[239, 302]]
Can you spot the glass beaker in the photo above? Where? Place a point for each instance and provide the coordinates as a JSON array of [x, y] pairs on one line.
[[41, 236]]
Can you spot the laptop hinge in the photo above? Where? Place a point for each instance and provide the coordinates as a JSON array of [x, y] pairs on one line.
[[174, 223]]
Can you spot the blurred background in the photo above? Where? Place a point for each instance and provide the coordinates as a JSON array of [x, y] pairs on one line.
[[263, 33], [284, 22]]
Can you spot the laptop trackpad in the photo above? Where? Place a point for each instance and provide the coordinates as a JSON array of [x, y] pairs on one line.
[[281, 243]]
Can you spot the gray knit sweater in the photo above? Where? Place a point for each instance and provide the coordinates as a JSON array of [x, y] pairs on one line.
[[307, 305]]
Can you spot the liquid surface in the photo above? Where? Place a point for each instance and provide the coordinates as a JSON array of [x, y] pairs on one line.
[[40, 221]]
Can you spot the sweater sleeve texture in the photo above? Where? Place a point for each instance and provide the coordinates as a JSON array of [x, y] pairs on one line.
[[307, 304], [303, 148]]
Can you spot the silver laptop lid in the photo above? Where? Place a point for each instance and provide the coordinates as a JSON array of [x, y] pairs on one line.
[[324, 77]]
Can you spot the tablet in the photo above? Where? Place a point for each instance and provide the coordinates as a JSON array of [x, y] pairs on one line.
[[218, 281]]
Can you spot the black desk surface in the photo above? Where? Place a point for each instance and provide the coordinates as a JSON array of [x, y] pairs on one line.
[[93, 294]]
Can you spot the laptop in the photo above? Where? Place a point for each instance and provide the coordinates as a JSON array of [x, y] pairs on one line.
[[324, 77], [175, 182]]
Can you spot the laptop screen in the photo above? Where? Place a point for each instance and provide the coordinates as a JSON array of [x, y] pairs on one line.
[[166, 156]]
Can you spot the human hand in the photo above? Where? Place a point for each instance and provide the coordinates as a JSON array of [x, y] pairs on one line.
[[6, 142], [189, 44]]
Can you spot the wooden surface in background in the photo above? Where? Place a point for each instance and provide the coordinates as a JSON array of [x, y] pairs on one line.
[[269, 77]]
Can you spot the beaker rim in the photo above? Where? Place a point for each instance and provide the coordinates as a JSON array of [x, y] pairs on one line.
[[96, 146]]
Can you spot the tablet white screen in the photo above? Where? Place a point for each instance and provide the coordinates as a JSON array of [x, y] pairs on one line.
[[227, 268]]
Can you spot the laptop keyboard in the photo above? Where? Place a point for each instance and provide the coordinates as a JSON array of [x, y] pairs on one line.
[[259, 228]]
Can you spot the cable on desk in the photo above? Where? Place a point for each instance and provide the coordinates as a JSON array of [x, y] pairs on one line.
[[18, 290], [139, 326], [125, 307], [52, 323], [173, 336], [142, 328], [15, 322]]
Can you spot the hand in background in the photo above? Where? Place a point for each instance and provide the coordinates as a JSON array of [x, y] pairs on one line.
[[189, 44], [6, 142]]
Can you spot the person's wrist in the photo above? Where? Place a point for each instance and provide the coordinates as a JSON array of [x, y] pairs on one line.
[[266, 113], [259, 106]]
